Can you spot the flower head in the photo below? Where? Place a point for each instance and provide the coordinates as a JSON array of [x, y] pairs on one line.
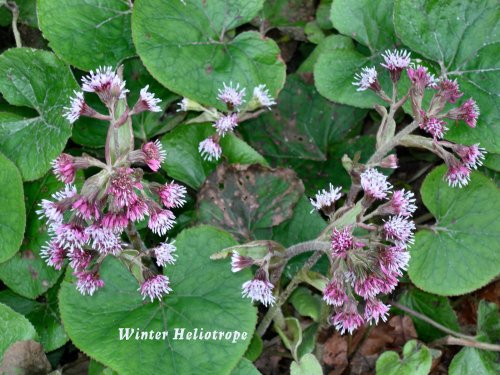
[[106, 84], [239, 262], [400, 230], [468, 112], [367, 79], [85, 209], [348, 319], [77, 108], [472, 156], [88, 282], [154, 154], [116, 221], [210, 149], [259, 289], [104, 240], [122, 185], [325, 200], [226, 124], [393, 259], [403, 202], [262, 97], [435, 127], [164, 253], [64, 168], [79, 259], [342, 241], [375, 184], [458, 175], [172, 195], [395, 61], [155, 287], [70, 236], [421, 78], [334, 293], [147, 102], [232, 96], [368, 287], [53, 254], [449, 90], [137, 210], [161, 221], [375, 310]]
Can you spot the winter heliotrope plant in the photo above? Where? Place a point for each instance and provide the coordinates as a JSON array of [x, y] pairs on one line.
[[98, 220]]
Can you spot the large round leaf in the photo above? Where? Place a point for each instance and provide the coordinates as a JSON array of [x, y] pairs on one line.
[[206, 294], [461, 252], [89, 33], [12, 216], [26, 273], [188, 48], [14, 327], [464, 38], [38, 80]]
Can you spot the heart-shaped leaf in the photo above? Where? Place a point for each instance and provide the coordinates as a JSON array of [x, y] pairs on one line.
[[206, 295], [38, 80], [459, 253], [12, 216], [417, 360], [89, 34], [188, 47]]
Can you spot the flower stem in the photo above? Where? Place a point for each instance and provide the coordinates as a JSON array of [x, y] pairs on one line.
[[456, 338], [12, 6], [307, 246], [135, 238]]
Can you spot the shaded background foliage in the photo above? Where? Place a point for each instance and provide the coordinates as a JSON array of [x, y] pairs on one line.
[[306, 52]]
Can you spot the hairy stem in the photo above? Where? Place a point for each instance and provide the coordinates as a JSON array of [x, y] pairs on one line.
[[266, 321], [12, 6], [457, 337], [307, 246], [135, 238]]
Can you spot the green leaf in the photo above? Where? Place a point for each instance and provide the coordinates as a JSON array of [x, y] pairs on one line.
[[475, 361], [12, 218], [91, 34], [92, 323], [287, 13], [245, 198], [417, 360], [255, 348], [437, 308], [184, 162], [463, 38], [368, 22], [43, 315], [189, 50], [245, 367], [38, 80], [331, 42], [292, 129], [306, 303], [460, 254], [291, 334], [96, 368], [26, 273], [308, 365], [309, 338], [14, 327]]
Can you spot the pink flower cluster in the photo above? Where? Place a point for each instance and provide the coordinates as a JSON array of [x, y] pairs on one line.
[[88, 225], [369, 266], [460, 159]]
